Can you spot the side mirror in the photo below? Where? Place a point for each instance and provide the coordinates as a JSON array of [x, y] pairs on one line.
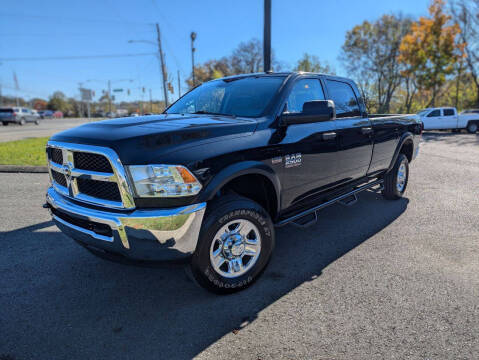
[[313, 111]]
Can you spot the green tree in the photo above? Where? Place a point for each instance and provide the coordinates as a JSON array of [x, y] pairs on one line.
[[311, 63], [370, 53], [58, 101], [431, 49]]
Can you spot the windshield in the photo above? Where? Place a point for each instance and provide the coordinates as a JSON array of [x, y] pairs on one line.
[[248, 96], [423, 112]]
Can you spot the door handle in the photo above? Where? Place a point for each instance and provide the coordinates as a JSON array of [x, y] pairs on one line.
[[329, 135], [366, 130]]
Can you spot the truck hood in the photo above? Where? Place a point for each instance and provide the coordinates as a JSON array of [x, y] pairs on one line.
[[142, 140]]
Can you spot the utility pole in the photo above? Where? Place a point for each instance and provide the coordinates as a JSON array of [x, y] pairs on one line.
[[267, 36], [109, 96], [193, 38], [151, 103], [179, 86], [163, 70], [80, 107]]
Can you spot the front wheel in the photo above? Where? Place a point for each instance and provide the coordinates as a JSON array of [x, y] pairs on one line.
[[235, 244], [37, 122], [22, 122], [5, 123], [395, 181], [472, 127]]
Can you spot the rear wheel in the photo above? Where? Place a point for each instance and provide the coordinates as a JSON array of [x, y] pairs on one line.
[[235, 245], [37, 122], [472, 127], [395, 181], [5, 123]]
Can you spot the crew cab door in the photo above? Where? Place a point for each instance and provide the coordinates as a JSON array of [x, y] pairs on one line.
[[309, 151], [449, 118], [354, 131], [432, 120]]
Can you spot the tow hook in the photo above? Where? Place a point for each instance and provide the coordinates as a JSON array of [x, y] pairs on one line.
[[46, 206]]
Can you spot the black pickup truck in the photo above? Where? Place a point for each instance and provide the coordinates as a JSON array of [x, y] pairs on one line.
[[211, 177]]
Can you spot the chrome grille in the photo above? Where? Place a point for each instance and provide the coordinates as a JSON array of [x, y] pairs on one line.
[[56, 155], [59, 178], [93, 162], [99, 189], [91, 174]]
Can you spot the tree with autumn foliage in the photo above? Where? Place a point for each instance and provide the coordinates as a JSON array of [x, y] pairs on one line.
[[431, 50], [370, 53], [212, 69]]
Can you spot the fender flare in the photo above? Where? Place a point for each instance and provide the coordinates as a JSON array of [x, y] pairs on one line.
[[239, 169], [404, 137]]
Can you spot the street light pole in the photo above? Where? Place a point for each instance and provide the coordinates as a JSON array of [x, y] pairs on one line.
[[193, 38], [163, 70]]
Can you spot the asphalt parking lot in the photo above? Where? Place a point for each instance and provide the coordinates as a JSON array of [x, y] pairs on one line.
[[380, 279], [47, 127]]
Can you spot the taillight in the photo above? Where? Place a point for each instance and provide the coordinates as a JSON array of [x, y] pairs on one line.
[[14, 114]]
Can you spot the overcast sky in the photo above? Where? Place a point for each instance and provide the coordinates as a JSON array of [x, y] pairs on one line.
[[59, 28]]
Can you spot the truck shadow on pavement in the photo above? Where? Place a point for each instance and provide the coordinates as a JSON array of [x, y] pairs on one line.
[[447, 137], [65, 303]]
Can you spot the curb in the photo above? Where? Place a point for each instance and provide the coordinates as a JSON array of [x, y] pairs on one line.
[[22, 169]]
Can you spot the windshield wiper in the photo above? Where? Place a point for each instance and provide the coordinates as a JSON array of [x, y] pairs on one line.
[[211, 113]]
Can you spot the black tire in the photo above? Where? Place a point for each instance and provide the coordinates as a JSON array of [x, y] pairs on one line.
[[22, 122], [5, 123], [391, 190], [472, 127], [37, 122], [219, 213]]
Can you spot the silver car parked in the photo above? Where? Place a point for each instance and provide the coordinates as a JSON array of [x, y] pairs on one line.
[[18, 115]]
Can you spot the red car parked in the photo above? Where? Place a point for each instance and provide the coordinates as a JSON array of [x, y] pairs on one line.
[[58, 115]]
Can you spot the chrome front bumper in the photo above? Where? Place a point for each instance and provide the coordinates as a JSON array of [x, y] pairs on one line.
[[150, 234]]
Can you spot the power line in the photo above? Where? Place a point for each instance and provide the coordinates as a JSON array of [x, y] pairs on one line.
[[64, 34], [62, 18], [76, 57]]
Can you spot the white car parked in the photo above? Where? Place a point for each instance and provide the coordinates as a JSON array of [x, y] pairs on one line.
[[447, 118]]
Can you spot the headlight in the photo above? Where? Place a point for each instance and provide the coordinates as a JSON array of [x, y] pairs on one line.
[[163, 181]]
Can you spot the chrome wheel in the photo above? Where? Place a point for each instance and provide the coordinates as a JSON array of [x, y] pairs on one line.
[[401, 177], [235, 248]]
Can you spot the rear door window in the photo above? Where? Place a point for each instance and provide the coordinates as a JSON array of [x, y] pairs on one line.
[[448, 112], [303, 91], [344, 99]]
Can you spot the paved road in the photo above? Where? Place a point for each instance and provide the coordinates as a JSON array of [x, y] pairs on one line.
[[377, 280], [47, 127]]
